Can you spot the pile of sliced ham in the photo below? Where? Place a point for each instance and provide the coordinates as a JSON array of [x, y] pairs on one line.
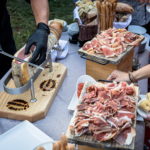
[[112, 42], [106, 112]]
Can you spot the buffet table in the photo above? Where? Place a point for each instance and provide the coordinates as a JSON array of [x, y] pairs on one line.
[[58, 117]]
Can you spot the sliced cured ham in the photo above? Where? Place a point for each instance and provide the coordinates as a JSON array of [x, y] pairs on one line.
[[106, 112], [80, 87], [87, 46], [121, 113], [112, 42], [104, 136], [126, 136]]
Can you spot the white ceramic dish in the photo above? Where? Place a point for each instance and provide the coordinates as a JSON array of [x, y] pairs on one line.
[[137, 29], [64, 46], [123, 24], [73, 29], [74, 100], [140, 111], [24, 136]]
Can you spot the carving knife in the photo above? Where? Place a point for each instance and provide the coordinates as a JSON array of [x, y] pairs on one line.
[[108, 81], [102, 80]]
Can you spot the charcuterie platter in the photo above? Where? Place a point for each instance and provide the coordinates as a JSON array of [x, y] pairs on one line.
[[105, 120], [101, 59], [110, 46]]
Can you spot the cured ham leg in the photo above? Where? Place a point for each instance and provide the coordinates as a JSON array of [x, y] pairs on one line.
[[22, 72]]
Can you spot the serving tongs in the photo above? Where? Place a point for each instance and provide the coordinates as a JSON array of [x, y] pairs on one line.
[[30, 83]]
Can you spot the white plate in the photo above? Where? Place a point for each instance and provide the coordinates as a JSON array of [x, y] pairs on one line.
[[137, 29], [24, 136], [75, 100], [140, 111]]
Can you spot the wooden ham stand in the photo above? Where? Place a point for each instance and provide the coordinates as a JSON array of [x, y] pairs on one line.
[[36, 110], [99, 71]]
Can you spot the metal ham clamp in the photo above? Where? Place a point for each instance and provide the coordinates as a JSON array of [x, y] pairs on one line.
[[30, 83]]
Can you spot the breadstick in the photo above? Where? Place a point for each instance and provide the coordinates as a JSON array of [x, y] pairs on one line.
[[103, 16], [98, 17], [110, 15], [107, 15]]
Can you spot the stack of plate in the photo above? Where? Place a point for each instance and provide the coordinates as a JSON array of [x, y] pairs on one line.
[[142, 31]]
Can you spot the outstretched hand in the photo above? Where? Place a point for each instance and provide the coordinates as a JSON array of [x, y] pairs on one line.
[[118, 76]]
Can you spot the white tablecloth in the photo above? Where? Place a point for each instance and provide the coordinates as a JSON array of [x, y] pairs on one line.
[[58, 117]]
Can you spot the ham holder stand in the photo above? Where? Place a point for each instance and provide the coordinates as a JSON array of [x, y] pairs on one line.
[[30, 83], [38, 100]]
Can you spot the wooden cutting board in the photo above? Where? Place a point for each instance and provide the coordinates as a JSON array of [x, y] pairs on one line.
[[37, 110]]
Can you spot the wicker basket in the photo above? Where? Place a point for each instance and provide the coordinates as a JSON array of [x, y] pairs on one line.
[[87, 32]]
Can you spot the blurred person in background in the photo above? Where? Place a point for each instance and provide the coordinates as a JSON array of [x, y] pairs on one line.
[[39, 38], [140, 15]]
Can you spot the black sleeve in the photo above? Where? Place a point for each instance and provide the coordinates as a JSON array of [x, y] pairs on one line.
[[27, 1]]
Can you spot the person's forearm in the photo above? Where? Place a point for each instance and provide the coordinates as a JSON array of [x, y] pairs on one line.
[[142, 73], [40, 10]]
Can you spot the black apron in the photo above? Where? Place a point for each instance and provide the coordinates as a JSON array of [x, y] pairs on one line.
[[6, 38]]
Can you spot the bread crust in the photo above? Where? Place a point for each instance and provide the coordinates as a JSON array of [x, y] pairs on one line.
[[124, 8]]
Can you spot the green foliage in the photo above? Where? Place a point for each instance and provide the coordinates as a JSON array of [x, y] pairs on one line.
[[22, 19]]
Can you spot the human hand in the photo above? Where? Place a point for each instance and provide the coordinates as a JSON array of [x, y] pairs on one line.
[[118, 76], [39, 39]]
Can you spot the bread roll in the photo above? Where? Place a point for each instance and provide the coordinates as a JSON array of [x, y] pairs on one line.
[[145, 105], [56, 28], [124, 8]]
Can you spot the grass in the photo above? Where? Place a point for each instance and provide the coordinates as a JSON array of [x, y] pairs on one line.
[[22, 20]]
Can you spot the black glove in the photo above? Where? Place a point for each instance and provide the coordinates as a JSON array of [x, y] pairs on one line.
[[39, 39]]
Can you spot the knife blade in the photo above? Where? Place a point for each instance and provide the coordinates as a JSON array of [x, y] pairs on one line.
[[102, 80], [19, 59]]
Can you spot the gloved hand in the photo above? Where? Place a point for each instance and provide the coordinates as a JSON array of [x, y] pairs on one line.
[[39, 39]]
